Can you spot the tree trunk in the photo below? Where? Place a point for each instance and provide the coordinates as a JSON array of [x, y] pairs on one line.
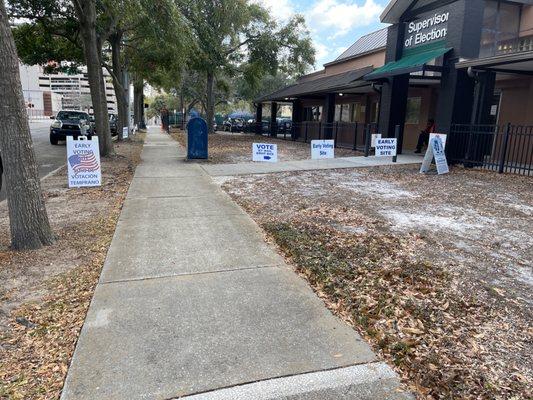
[[30, 228], [141, 105], [137, 102], [86, 12], [182, 110], [210, 102], [118, 82]]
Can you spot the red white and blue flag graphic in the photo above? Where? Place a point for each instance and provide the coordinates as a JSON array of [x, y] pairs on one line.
[[83, 162]]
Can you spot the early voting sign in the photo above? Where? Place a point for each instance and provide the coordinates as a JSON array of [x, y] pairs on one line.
[[83, 162], [322, 149], [125, 132], [265, 152], [386, 147], [435, 150]]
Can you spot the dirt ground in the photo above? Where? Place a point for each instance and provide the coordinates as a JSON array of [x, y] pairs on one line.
[[44, 294], [436, 272], [227, 148]]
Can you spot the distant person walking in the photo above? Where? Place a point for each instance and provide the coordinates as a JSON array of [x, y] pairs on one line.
[[423, 138], [165, 119]]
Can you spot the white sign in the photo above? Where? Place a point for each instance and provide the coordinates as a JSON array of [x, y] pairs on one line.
[[265, 152], [125, 132], [83, 162], [322, 149], [375, 136], [440, 156], [439, 135], [386, 147], [435, 149]]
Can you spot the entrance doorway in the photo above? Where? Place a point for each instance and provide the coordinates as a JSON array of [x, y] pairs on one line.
[[421, 106]]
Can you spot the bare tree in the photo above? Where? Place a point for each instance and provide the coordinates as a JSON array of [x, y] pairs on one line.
[[30, 228]]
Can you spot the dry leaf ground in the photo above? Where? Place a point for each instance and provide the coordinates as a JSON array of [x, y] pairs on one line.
[[435, 271], [44, 294], [225, 147]]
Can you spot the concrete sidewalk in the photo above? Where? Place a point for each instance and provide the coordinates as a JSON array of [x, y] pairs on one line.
[[193, 303], [307, 165]]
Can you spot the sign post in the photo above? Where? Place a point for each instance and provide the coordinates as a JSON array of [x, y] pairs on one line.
[[125, 132], [322, 149], [83, 162], [265, 152]]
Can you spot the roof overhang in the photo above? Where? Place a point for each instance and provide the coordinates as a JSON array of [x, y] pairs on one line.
[[517, 63], [394, 11], [346, 82], [397, 8]]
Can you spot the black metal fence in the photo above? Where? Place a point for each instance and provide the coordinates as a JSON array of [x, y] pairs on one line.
[[349, 135], [507, 148]]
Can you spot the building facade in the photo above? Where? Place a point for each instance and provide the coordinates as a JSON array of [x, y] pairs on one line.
[[453, 61], [46, 94], [458, 62]]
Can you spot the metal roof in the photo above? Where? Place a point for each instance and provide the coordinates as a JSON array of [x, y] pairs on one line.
[[326, 84], [370, 42]]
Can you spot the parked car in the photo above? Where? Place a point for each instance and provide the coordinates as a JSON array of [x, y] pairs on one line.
[[284, 125], [233, 125], [70, 123], [113, 123]]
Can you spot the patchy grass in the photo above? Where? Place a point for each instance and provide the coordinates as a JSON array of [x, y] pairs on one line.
[[237, 148], [448, 304], [46, 293]]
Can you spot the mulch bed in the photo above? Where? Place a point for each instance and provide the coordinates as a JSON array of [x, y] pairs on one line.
[[229, 148], [435, 272], [45, 293]]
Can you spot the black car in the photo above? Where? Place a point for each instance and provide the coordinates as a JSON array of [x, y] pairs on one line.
[[284, 125], [233, 125], [70, 123]]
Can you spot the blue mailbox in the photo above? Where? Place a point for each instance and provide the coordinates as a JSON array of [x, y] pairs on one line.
[[197, 139]]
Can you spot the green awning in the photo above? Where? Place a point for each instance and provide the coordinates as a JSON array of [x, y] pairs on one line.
[[413, 60]]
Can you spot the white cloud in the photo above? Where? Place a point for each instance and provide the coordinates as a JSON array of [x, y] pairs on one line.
[[322, 51], [342, 16], [281, 10]]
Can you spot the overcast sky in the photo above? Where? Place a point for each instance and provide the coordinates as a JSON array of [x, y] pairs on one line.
[[334, 24]]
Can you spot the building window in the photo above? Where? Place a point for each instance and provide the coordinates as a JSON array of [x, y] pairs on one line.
[[501, 27], [357, 113], [338, 111], [412, 114], [343, 112], [312, 113]]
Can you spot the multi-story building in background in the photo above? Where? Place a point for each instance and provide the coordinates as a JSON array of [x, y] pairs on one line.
[[46, 94]]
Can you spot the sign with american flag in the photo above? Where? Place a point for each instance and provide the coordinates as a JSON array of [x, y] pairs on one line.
[[83, 162]]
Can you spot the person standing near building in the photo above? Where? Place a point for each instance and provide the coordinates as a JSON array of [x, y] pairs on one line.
[[423, 138]]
